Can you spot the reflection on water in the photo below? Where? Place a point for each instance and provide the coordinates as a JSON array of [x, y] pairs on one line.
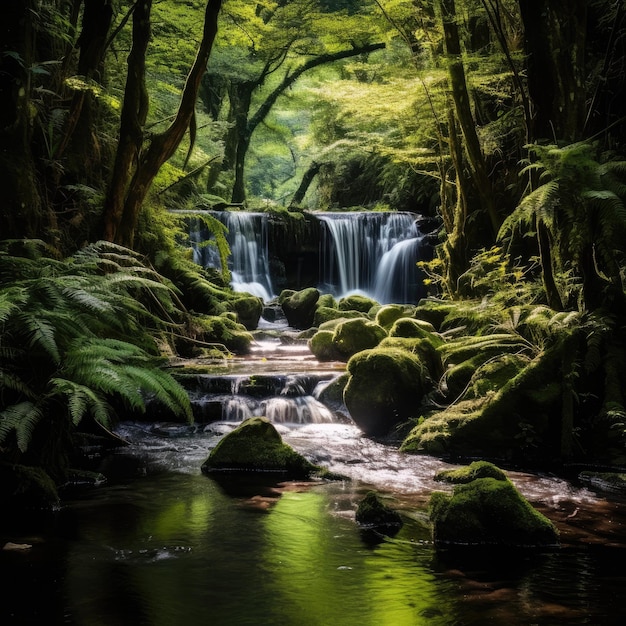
[[164, 545]]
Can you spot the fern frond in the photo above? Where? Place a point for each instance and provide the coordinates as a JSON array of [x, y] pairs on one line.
[[21, 418], [40, 334]]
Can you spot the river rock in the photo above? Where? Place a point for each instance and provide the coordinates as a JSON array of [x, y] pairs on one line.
[[373, 514], [487, 511], [352, 336], [385, 388], [256, 446], [299, 307]]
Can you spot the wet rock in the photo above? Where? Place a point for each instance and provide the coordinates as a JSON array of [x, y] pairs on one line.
[[385, 388], [356, 302], [373, 514], [477, 469], [487, 511], [355, 335], [300, 306], [613, 482], [256, 446]]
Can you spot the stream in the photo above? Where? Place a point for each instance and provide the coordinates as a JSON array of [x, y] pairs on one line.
[[162, 544]]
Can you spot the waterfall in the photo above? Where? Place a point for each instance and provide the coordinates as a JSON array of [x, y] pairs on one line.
[[373, 253], [249, 260], [282, 398]]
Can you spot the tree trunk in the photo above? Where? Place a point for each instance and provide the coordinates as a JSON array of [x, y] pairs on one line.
[[20, 215], [460, 96], [244, 138], [130, 187], [305, 183], [555, 41]]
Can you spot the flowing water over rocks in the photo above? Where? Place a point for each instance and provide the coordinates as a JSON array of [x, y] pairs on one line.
[[164, 544]]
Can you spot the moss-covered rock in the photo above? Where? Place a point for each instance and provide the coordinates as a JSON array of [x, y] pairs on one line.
[[325, 315], [488, 511], [327, 300], [388, 314], [207, 333], [256, 446], [410, 327], [356, 302], [477, 469], [355, 335], [373, 514], [424, 349], [385, 388], [300, 307], [249, 309], [322, 346], [493, 425]]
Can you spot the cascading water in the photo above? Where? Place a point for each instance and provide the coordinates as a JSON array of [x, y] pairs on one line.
[[374, 253], [249, 259]]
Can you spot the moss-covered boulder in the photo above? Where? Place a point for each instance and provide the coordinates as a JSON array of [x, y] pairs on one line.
[[325, 315], [249, 309], [256, 446], [207, 332], [327, 300], [513, 420], [477, 469], [488, 511], [373, 514], [411, 327], [322, 346], [355, 335], [388, 314], [300, 307], [385, 387], [356, 302]]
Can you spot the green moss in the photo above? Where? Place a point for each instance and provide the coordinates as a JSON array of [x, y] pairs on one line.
[[477, 469], [372, 512], [388, 314], [410, 327], [249, 309], [491, 424], [322, 347], [326, 315], [356, 303], [355, 335], [424, 349], [256, 445], [385, 387], [299, 308], [489, 511], [327, 300]]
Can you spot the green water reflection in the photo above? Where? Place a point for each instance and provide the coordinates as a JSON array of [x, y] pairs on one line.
[[192, 554]]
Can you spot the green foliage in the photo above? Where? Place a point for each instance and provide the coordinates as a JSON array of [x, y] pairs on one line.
[[77, 340], [580, 201]]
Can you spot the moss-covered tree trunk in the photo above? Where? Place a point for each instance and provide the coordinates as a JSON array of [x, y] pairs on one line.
[[467, 123]]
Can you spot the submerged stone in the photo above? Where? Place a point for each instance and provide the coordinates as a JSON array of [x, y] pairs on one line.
[[373, 514], [488, 511], [256, 446]]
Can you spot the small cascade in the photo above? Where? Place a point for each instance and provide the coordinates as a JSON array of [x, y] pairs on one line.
[[282, 398], [374, 253], [249, 259]]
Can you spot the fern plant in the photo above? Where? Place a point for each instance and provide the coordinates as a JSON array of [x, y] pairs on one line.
[[77, 338], [578, 214]]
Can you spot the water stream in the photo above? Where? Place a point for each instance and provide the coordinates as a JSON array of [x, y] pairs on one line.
[[163, 544]]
